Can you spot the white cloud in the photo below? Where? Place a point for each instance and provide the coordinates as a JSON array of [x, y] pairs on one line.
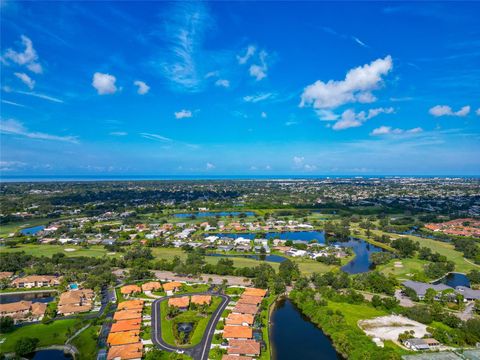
[[445, 110], [12, 103], [351, 119], [327, 115], [14, 127], [387, 130], [298, 160], [119, 133], [359, 42], [478, 112], [40, 96], [291, 123], [143, 88], [259, 71], [250, 51], [27, 58], [156, 137], [356, 87], [104, 83], [185, 28], [258, 97], [11, 165], [263, 114], [222, 83], [210, 166], [27, 80], [183, 114]]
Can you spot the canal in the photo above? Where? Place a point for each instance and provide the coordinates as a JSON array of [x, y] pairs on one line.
[[293, 336]]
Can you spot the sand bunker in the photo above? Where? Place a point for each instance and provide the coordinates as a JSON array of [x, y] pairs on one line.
[[398, 264], [69, 249], [389, 327]]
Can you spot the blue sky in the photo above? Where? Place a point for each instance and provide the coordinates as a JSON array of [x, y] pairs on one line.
[[239, 88]]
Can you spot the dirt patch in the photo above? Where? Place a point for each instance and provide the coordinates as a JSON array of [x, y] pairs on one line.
[[389, 327]]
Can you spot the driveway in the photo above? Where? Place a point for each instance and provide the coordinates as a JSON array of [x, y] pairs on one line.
[[199, 351]]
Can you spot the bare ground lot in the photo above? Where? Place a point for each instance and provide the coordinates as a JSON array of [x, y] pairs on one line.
[[389, 327]]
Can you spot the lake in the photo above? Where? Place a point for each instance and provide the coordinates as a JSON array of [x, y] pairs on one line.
[[43, 297], [271, 258], [362, 249], [454, 279], [293, 336], [32, 230], [213, 214], [50, 355]]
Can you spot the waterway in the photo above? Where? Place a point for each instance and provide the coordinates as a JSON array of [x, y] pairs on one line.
[[293, 336], [50, 355], [270, 258], [43, 297], [32, 230], [213, 214], [362, 249], [454, 279]]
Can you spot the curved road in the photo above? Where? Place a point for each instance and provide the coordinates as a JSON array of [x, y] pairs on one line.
[[199, 351]]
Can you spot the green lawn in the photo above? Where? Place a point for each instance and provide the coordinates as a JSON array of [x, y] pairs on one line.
[[187, 316], [55, 333], [49, 250], [265, 315], [355, 312], [409, 268], [86, 343], [443, 248]]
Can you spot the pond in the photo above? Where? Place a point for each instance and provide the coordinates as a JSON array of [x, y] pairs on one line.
[[43, 297], [454, 279], [293, 336], [50, 355], [213, 214], [32, 230], [362, 249], [270, 258]]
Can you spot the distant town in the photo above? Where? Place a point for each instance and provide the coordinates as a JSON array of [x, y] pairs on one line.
[[387, 268]]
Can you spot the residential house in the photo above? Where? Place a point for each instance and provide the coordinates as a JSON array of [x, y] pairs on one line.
[[23, 310], [237, 332], [255, 292], [126, 325], [33, 281], [245, 309], [127, 315], [421, 288], [240, 319], [126, 352], [130, 305], [243, 347], [416, 344], [130, 290], [171, 287], [201, 299], [250, 300], [75, 301], [181, 303], [152, 286], [123, 338]]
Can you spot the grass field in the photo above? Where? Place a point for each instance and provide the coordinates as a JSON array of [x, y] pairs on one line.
[[55, 333], [16, 226], [49, 250], [355, 312], [86, 343], [409, 268]]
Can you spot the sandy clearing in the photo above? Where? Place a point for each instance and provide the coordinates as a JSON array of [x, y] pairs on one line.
[[389, 327], [69, 249]]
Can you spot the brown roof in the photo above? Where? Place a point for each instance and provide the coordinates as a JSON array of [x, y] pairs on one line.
[[15, 306], [123, 338], [5, 274], [130, 289], [76, 297], [151, 286], [180, 302], [201, 299], [127, 315], [125, 352], [239, 319], [252, 300], [238, 332], [38, 309], [172, 285], [36, 278], [68, 309], [126, 325], [130, 305], [243, 347], [235, 357], [245, 309], [255, 292]]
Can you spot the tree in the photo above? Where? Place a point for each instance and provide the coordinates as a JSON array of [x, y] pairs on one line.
[[288, 271], [430, 295], [25, 346], [405, 246], [6, 324]]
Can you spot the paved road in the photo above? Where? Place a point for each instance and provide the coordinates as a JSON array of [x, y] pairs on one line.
[[197, 352]]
